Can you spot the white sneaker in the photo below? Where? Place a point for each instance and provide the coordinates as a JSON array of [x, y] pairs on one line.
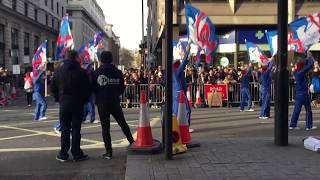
[[261, 117], [241, 110], [43, 118], [294, 128], [250, 110], [56, 131], [313, 128], [95, 121], [87, 121], [191, 130]]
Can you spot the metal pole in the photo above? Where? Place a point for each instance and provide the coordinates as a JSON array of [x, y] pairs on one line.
[[143, 56], [168, 119], [282, 79]]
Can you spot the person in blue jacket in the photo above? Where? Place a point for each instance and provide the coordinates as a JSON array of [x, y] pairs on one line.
[[244, 78], [302, 67], [41, 105], [265, 90], [180, 83]]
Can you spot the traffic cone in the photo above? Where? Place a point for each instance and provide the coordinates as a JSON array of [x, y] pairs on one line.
[[183, 120], [144, 142], [177, 146], [13, 92], [189, 97], [198, 98]]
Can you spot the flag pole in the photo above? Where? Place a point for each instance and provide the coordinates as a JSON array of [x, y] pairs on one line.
[[45, 81]]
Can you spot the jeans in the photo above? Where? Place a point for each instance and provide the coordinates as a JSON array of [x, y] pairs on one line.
[[245, 94], [41, 106], [265, 105], [70, 118], [302, 98]]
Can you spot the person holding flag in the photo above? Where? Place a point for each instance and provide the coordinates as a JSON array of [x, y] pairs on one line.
[[245, 94], [302, 67], [265, 89], [39, 63]]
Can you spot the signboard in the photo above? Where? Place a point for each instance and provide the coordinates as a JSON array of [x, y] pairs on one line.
[[16, 69], [26, 59], [223, 88]]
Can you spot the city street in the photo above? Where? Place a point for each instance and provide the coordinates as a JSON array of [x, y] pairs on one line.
[[28, 148]]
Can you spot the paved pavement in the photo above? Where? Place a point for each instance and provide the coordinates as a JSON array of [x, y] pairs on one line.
[[234, 145]]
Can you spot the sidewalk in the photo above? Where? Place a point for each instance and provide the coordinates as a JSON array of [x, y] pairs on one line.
[[232, 159]]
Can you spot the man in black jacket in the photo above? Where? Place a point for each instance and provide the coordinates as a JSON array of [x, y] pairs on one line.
[[108, 85], [71, 88]]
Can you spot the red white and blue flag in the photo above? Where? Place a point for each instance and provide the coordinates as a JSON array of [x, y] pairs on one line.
[[307, 30], [294, 44], [85, 54], [39, 59], [98, 39], [65, 40], [255, 54], [201, 31]]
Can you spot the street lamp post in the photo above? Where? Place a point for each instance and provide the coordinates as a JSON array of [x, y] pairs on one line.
[[168, 98], [282, 79]]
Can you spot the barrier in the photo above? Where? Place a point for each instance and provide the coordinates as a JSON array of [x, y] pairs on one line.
[[155, 95]]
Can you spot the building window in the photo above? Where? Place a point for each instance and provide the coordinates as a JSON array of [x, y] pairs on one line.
[[46, 19], [70, 25], [36, 14], [53, 48], [26, 9], [36, 43], [62, 11], [14, 38], [52, 4], [14, 4], [57, 8], [1, 33], [26, 41], [52, 22], [46, 2]]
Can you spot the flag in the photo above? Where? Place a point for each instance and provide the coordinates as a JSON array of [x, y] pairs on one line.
[[272, 37], [255, 54], [294, 44], [85, 54], [64, 40], [98, 38], [39, 59], [307, 30], [201, 31]]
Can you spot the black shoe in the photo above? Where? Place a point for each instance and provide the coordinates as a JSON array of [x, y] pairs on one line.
[[107, 155], [61, 159], [81, 158]]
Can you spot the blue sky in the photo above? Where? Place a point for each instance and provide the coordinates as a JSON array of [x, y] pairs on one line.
[[125, 15]]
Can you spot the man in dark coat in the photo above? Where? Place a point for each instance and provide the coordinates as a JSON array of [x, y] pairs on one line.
[[71, 88]]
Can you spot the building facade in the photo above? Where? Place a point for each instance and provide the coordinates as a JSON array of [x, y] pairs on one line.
[[24, 25], [234, 20], [86, 18]]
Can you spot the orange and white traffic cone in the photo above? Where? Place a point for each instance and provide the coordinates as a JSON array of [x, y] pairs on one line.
[[183, 120], [177, 145], [198, 98], [144, 142], [13, 92], [189, 97]]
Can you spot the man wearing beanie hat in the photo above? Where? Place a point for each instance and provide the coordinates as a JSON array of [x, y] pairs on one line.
[[265, 90], [108, 85], [302, 67]]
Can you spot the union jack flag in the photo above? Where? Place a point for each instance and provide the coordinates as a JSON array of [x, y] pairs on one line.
[[39, 59], [255, 54], [307, 30], [98, 38], [64, 40], [85, 54], [201, 31]]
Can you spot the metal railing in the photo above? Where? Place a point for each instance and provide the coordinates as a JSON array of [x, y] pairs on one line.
[[156, 93]]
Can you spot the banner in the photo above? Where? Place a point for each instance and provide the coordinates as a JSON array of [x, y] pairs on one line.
[[223, 88]]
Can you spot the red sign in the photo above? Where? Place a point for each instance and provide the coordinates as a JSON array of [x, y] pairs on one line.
[[223, 88]]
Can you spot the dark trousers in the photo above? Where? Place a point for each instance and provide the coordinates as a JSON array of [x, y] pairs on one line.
[[116, 111], [302, 98], [29, 97], [71, 118]]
